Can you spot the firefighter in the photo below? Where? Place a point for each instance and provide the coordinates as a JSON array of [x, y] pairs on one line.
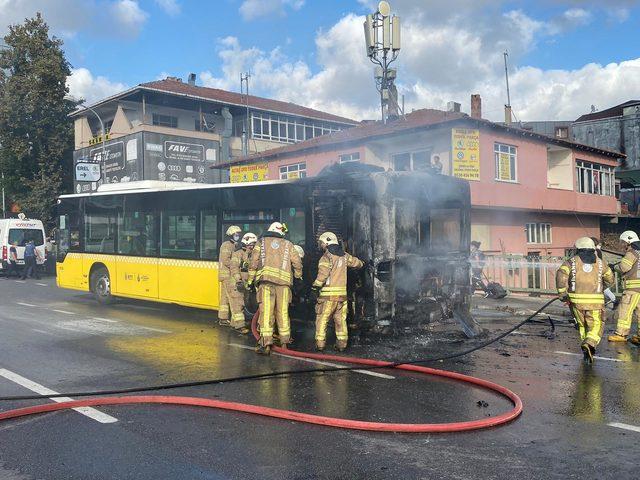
[[330, 290], [629, 304], [581, 281], [239, 272], [275, 266], [227, 287]]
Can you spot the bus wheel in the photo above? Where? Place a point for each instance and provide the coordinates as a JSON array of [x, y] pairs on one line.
[[101, 286]]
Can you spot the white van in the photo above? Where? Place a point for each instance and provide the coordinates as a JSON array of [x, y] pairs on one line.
[[21, 231]]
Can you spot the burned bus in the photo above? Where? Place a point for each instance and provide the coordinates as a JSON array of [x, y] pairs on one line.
[[159, 241]]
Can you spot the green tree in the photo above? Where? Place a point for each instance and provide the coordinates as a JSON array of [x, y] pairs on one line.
[[36, 134]]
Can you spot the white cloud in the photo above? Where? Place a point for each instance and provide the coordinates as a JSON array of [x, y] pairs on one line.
[[171, 7], [67, 17], [445, 56], [252, 9], [84, 85], [129, 16], [569, 20]]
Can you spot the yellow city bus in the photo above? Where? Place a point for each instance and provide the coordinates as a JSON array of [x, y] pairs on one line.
[[159, 241]]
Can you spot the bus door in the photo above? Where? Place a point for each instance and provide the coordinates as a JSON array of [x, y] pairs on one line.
[[137, 262]]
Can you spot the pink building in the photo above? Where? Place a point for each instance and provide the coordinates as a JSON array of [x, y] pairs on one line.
[[531, 194]]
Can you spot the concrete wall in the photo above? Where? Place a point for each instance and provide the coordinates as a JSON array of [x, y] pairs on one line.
[[617, 133], [503, 231], [560, 169]]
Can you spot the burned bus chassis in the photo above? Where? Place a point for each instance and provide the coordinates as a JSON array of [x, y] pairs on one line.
[[386, 219]]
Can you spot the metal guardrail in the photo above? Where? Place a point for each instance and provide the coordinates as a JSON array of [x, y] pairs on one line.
[[529, 274]]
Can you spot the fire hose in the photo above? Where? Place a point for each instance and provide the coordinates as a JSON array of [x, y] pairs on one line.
[[411, 366]]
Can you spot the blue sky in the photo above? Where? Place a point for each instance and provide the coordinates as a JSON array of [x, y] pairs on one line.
[[310, 51]]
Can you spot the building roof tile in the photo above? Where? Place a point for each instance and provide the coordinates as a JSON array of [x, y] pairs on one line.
[[180, 88]]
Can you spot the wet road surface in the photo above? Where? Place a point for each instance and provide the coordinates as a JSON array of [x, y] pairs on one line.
[[578, 422]]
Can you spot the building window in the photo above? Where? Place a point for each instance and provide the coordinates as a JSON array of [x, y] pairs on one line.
[[298, 170], [278, 128], [562, 132], [538, 232], [594, 178], [405, 162], [165, 120], [350, 157], [506, 162]]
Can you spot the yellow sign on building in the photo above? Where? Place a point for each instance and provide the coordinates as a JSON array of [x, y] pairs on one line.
[[504, 170], [256, 172], [465, 152]]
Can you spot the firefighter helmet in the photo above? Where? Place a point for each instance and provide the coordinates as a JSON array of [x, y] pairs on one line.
[[300, 250], [629, 236], [233, 229], [249, 239], [277, 227], [585, 243], [328, 238]]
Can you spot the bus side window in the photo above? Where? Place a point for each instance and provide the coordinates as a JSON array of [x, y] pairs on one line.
[[178, 235], [68, 235], [208, 235], [137, 233]]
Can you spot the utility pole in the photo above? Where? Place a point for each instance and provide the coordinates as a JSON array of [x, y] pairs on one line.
[[244, 78], [507, 108], [382, 40], [4, 205]]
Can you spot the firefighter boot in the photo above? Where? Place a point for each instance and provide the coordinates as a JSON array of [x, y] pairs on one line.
[[266, 350], [588, 351], [341, 345], [616, 337], [320, 345], [635, 339]]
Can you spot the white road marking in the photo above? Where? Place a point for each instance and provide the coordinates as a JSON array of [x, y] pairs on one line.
[[43, 332], [320, 362], [90, 412], [64, 311], [21, 281], [42, 284], [25, 304], [160, 330], [596, 356], [108, 320], [624, 426]]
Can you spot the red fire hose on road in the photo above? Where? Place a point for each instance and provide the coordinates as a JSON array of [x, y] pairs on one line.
[[305, 417]]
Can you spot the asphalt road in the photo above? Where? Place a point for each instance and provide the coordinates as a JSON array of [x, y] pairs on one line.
[[578, 422]]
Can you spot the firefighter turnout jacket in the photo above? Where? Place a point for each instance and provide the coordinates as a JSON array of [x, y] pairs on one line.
[[628, 267], [239, 268], [584, 283], [224, 260], [275, 261], [332, 275]]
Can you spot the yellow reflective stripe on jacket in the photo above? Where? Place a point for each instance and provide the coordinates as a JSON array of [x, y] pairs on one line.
[[586, 298], [631, 283], [565, 269], [333, 291], [276, 272], [562, 290], [627, 262]]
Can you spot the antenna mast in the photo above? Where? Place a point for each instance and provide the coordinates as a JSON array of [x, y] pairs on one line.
[[507, 107], [244, 79]]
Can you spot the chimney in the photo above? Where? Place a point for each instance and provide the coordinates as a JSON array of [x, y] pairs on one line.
[[174, 79], [507, 115], [453, 107], [192, 79], [476, 106]]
